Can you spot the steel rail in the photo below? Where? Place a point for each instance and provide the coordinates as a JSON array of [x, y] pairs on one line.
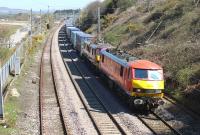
[[95, 95]]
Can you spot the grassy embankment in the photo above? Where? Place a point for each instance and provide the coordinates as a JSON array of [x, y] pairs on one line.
[[166, 32], [12, 104], [5, 32]]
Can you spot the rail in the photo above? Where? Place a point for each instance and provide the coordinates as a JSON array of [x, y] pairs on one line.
[[99, 102]]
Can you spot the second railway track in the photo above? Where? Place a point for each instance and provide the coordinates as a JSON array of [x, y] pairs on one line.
[[51, 121], [157, 125]]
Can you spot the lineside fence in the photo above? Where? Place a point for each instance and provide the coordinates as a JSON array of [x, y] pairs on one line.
[[11, 67]]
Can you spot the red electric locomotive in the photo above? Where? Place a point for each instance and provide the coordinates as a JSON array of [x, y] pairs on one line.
[[141, 80]]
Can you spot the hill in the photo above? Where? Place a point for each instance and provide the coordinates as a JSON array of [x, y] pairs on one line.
[[6, 10]]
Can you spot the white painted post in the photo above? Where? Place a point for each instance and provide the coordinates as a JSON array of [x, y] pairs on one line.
[[99, 23]]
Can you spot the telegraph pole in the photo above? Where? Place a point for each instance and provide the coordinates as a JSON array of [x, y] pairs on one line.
[[99, 23], [48, 15], [40, 21], [31, 27]]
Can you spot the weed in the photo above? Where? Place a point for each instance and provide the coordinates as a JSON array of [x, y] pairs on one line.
[[116, 35], [168, 31], [188, 75], [7, 30], [135, 28], [108, 20]]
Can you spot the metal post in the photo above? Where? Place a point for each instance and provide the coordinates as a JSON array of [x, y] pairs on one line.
[[79, 19], [99, 23], [73, 17], [48, 15], [31, 27], [40, 21]]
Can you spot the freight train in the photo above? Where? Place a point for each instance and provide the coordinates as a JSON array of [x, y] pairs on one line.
[[140, 80]]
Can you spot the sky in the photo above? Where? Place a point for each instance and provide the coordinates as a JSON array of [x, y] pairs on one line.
[[43, 4]]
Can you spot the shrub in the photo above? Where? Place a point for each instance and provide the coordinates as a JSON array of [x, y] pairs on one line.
[[153, 17], [135, 28], [188, 75], [116, 34], [89, 15], [124, 4], [108, 20], [38, 37], [168, 31], [107, 7]]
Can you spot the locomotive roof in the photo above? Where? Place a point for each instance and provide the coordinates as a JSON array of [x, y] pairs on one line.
[[123, 55], [128, 60], [144, 64], [115, 58]]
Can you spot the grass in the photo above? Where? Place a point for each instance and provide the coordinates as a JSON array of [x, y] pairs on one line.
[[135, 28], [7, 30], [5, 53], [116, 35]]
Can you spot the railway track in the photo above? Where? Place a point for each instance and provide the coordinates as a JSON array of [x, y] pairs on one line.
[[51, 120], [195, 114], [157, 125], [103, 121]]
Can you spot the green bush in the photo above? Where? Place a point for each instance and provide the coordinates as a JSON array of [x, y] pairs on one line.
[[124, 4], [89, 15], [188, 75], [116, 34], [135, 28], [108, 20]]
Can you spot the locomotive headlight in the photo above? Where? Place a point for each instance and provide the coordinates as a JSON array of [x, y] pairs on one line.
[[138, 90]]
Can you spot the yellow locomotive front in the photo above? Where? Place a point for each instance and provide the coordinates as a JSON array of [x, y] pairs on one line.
[[147, 84]]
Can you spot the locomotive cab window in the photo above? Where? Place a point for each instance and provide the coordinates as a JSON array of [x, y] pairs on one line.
[[121, 71], [155, 74], [141, 73]]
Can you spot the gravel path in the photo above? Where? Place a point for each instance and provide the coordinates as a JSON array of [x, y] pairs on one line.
[[28, 119]]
